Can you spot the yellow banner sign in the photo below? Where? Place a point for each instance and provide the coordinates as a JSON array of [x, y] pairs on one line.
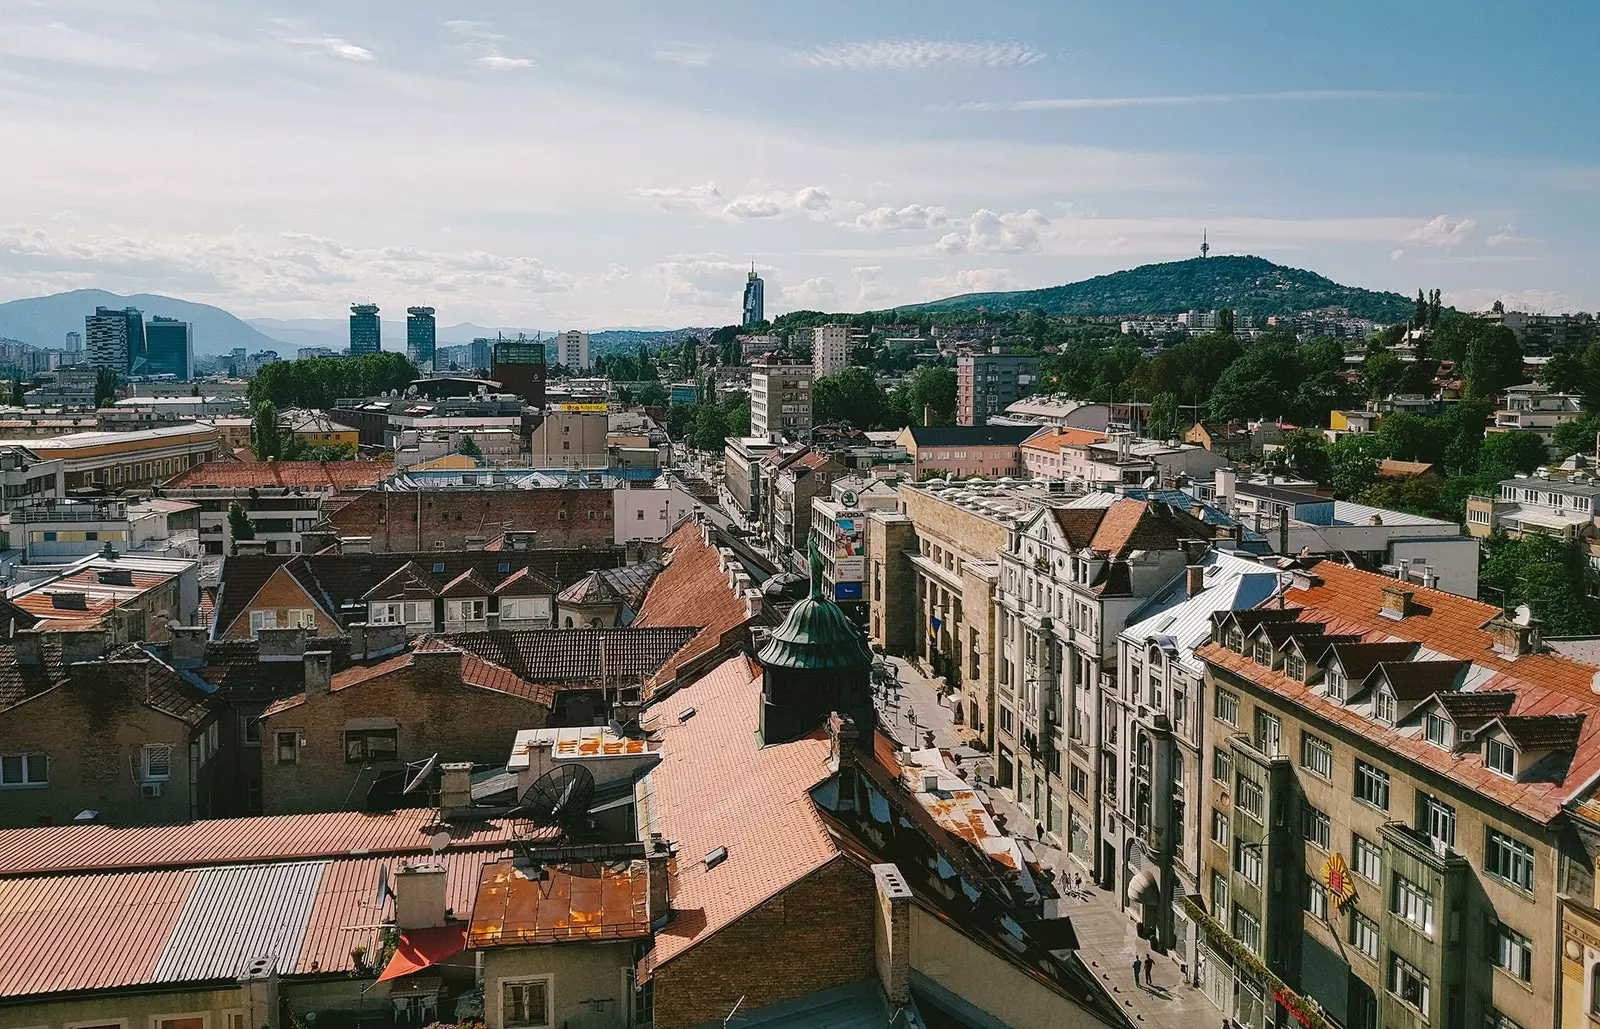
[[588, 408], [1336, 876]]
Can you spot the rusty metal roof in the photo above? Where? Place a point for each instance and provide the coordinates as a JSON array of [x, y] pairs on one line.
[[560, 903]]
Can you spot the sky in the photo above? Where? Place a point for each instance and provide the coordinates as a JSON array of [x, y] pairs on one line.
[[623, 163]]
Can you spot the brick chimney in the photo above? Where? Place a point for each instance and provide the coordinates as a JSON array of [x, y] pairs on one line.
[[843, 739], [318, 665], [83, 645], [455, 787], [188, 646], [927, 414], [892, 933], [659, 861], [281, 644], [1196, 579], [1513, 639], [1396, 602], [419, 897]]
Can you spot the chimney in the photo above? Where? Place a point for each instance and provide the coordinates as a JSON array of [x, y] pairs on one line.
[[258, 986], [1196, 579], [455, 787], [28, 646], [368, 641], [927, 414], [419, 896], [1513, 639], [843, 738], [281, 644], [1194, 549], [188, 646], [1396, 602], [892, 933], [658, 861], [318, 666], [752, 602], [83, 645]]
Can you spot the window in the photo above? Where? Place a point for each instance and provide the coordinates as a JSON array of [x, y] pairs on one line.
[[1438, 820], [1338, 685], [288, 746], [1316, 899], [1412, 903], [1227, 707], [1247, 861], [1269, 733], [525, 1002], [1493, 1019], [1364, 934], [1513, 952], [1437, 729], [1234, 640], [1316, 755], [1294, 666], [1372, 786], [262, 620], [181, 1022], [1247, 797], [155, 762], [464, 610], [419, 611], [1315, 827], [1383, 706], [1221, 765], [438, 566], [1221, 831], [1247, 929], [1499, 756], [1368, 860], [18, 770], [1080, 782], [383, 614], [1262, 653], [1407, 983], [371, 745], [1510, 860], [1219, 894]]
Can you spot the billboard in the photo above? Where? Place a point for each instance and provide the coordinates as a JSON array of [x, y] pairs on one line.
[[849, 568], [847, 591], [584, 408]]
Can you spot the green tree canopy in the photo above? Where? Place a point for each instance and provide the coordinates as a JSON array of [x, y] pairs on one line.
[[1503, 454], [853, 397], [1166, 421], [318, 382], [468, 447], [239, 525]]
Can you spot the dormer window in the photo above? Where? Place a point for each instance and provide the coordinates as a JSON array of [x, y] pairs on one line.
[[1234, 640], [1262, 652], [1383, 706], [1294, 666], [1500, 756], [1338, 685], [1438, 730]]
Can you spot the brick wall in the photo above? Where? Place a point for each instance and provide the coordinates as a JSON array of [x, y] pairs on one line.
[[433, 711], [466, 519], [813, 936], [280, 594]]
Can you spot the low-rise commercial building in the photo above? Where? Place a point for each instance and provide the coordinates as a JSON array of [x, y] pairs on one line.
[[961, 452], [113, 460]]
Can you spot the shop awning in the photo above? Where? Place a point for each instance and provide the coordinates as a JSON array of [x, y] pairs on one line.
[[420, 948]]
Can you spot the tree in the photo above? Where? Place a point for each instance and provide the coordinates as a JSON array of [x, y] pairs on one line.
[[266, 435], [319, 382], [1225, 322], [1165, 421], [1382, 375], [1578, 437], [1419, 317], [1550, 576], [1503, 454], [852, 397], [105, 387], [1259, 384], [1494, 361], [468, 447], [239, 525], [1305, 452], [1353, 463], [1410, 437], [651, 394], [1416, 494], [929, 387]]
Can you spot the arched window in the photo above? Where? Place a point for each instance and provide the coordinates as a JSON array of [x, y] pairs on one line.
[[1594, 989]]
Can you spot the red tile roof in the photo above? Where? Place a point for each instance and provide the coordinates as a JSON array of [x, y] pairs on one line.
[[1053, 441], [717, 787], [691, 590], [1544, 684], [629, 654], [314, 475], [475, 671], [1131, 525]]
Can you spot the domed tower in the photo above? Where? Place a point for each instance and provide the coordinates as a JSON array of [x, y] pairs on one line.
[[815, 663]]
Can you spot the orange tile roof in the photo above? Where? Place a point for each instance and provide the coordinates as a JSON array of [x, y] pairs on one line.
[[756, 805], [1348, 600], [1053, 442], [691, 590], [318, 475], [475, 671], [1144, 525]]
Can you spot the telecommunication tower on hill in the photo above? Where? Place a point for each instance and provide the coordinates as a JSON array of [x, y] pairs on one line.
[[1205, 247]]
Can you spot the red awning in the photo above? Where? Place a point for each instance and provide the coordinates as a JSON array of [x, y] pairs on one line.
[[419, 948]]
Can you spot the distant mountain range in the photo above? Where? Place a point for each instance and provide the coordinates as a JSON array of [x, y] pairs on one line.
[[1247, 284], [45, 321]]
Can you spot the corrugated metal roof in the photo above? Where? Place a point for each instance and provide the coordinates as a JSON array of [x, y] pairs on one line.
[[235, 915], [86, 932], [1232, 583]]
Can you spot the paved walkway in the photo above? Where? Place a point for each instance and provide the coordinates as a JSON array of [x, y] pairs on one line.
[[1107, 943]]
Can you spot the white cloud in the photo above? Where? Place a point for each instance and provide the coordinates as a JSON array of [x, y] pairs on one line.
[[1441, 232], [808, 201], [819, 293], [1507, 236], [1533, 301], [481, 36], [708, 200], [911, 54], [494, 60], [870, 287], [967, 280], [893, 219], [672, 198], [991, 233], [614, 274], [332, 46], [1396, 253], [703, 281], [1095, 103], [687, 54], [479, 30]]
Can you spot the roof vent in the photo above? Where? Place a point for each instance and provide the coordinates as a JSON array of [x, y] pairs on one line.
[[69, 601], [716, 857], [686, 714], [930, 782]]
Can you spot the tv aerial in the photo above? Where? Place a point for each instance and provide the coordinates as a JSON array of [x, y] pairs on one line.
[[559, 799]]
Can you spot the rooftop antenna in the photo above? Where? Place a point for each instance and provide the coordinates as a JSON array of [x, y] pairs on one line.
[[1205, 245]]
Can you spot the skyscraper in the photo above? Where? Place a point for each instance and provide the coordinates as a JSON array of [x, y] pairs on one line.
[[755, 305], [169, 348], [572, 350], [479, 352], [518, 365], [366, 335], [74, 346], [115, 338], [420, 337]]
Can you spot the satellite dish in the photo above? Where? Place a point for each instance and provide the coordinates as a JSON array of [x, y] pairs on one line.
[[559, 798], [384, 892], [438, 842], [1524, 614], [422, 774]]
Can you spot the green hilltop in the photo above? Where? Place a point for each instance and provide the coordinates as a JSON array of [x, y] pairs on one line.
[[1248, 284]]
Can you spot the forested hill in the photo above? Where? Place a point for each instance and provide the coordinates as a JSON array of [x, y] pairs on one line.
[[1247, 284]]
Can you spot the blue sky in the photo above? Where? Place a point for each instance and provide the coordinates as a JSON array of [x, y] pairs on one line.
[[611, 163]]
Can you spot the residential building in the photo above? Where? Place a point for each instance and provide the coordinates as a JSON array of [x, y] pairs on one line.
[[1535, 408], [754, 308], [1397, 769], [839, 525], [1121, 458], [649, 512], [421, 337], [830, 350], [741, 471], [780, 400], [309, 353], [987, 384], [791, 478], [962, 451], [1042, 456], [317, 429], [571, 439], [117, 460], [24, 477], [281, 498], [479, 353], [1555, 501], [169, 348], [68, 388], [572, 350], [606, 597], [366, 331], [73, 347], [183, 408], [1054, 410], [50, 530], [115, 338], [1230, 440], [134, 598], [519, 367]]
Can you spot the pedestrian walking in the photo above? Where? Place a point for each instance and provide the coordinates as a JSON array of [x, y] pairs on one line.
[[1136, 970], [1038, 831], [1149, 963]]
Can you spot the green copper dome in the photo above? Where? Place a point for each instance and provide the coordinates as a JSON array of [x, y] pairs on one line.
[[817, 636]]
